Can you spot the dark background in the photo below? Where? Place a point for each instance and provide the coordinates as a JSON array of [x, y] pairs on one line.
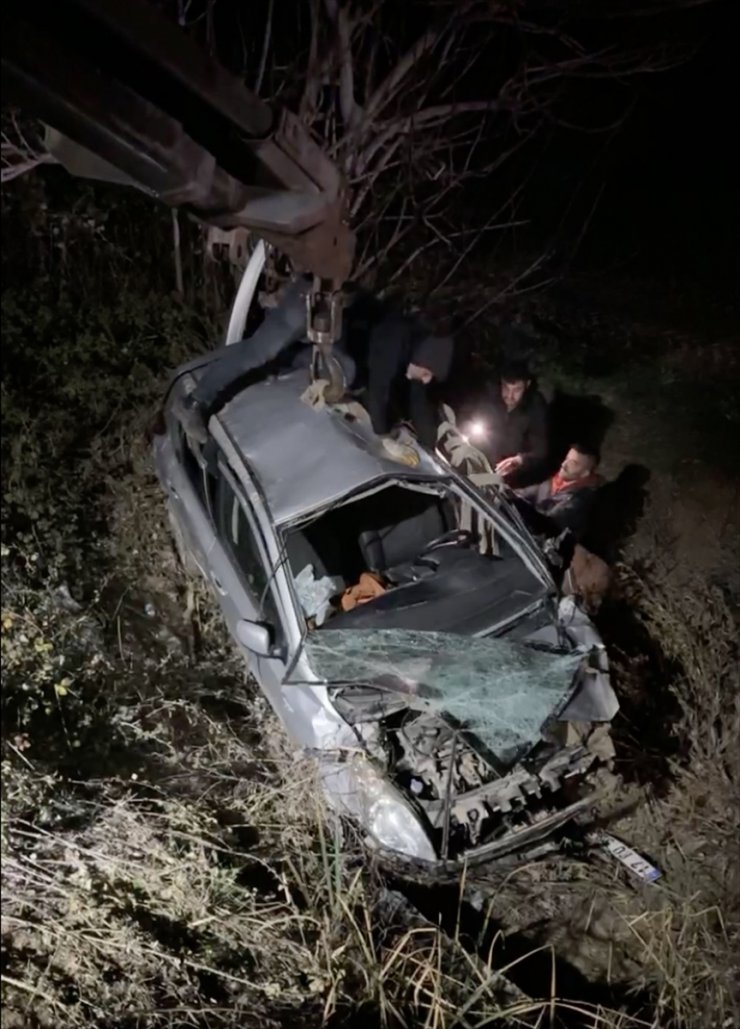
[[659, 193]]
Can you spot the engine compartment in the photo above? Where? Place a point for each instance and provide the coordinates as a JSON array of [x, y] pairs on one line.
[[466, 796]]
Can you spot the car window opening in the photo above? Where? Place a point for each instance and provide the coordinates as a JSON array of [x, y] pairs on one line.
[[241, 543], [372, 534], [398, 557]]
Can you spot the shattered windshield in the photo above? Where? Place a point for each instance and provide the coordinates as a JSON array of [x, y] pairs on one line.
[[498, 689]]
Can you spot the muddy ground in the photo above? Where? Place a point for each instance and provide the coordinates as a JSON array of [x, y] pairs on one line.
[[166, 859]]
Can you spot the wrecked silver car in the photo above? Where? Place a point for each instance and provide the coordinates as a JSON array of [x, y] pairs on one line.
[[459, 710]]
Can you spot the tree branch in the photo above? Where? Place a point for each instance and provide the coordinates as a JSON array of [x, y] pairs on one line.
[[392, 81], [308, 104], [265, 48], [510, 288], [17, 161]]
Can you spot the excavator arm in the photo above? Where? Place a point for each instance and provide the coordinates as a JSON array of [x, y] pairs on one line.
[[129, 98]]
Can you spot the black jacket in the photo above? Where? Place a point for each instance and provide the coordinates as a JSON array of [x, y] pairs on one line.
[[395, 342], [521, 431]]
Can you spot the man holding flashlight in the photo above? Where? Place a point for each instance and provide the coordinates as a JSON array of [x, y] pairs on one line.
[[517, 439]]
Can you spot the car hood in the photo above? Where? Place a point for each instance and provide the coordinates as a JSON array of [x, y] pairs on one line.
[[500, 690]]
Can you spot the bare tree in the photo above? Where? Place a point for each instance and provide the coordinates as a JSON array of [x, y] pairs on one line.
[[22, 149], [420, 103], [413, 118]]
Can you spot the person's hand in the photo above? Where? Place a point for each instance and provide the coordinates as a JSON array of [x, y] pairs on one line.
[[509, 465], [418, 373]]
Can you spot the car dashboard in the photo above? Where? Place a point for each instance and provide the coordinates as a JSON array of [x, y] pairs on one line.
[[452, 589]]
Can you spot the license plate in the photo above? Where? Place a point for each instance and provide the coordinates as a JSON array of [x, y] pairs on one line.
[[627, 856]]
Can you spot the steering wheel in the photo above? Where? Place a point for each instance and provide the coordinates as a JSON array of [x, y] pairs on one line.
[[453, 538]]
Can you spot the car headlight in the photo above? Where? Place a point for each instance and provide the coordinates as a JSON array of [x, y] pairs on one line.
[[358, 789]]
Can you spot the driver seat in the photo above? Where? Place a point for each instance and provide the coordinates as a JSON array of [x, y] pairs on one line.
[[400, 542]]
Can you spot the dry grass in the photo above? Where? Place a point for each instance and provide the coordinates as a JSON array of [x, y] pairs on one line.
[[202, 882], [689, 937], [196, 879], [125, 903]]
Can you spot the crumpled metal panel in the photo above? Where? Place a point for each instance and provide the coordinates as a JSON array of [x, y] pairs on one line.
[[501, 691], [333, 457]]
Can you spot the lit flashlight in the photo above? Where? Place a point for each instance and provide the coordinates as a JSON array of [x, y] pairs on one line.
[[475, 430]]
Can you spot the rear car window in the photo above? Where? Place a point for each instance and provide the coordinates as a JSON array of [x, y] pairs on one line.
[[239, 539]]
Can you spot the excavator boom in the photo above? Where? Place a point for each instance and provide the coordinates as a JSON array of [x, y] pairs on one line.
[[131, 98]]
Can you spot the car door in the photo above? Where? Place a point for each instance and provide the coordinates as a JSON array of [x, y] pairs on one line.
[[187, 472], [244, 582]]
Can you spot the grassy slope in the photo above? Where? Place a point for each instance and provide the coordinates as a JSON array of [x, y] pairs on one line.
[[165, 859]]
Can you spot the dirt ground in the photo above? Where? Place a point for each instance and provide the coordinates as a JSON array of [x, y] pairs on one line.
[[689, 525], [660, 369], [663, 390]]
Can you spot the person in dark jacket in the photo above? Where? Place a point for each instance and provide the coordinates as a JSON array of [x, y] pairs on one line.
[[565, 499], [518, 441], [403, 361], [391, 356], [282, 326]]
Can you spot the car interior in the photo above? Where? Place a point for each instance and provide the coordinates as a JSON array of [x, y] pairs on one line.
[[378, 533], [434, 575]]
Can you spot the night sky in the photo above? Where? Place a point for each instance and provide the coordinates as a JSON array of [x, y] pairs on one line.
[[670, 174], [677, 170]]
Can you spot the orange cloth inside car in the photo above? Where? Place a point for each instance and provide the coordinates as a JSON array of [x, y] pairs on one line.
[[368, 588]]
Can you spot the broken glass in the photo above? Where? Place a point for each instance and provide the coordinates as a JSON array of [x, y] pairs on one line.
[[500, 690]]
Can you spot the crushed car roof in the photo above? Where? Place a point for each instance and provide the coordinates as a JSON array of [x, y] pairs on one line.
[[305, 458]]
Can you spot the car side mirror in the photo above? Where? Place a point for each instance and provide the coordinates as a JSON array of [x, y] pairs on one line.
[[255, 637]]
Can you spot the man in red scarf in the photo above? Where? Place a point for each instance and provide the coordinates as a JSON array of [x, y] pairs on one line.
[[567, 497]]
